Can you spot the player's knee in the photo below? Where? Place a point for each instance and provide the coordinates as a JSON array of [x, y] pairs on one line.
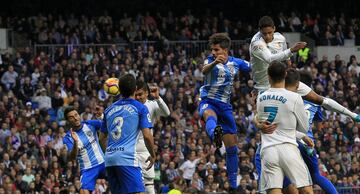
[[207, 113], [306, 190], [291, 189], [230, 140], [150, 189]]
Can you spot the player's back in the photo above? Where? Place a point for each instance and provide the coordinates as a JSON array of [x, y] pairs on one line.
[[259, 62], [123, 126], [276, 105]]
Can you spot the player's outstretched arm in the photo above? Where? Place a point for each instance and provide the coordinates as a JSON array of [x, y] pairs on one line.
[[331, 105], [261, 51]]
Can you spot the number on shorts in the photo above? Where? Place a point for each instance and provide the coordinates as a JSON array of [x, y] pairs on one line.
[[273, 112], [118, 123]]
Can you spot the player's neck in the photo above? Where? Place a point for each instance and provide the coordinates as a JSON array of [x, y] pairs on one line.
[[278, 85], [77, 127], [131, 97]]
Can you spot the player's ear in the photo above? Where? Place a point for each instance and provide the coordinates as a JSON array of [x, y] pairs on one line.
[[297, 85], [274, 28]]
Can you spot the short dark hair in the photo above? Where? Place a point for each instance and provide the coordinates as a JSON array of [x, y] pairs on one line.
[[292, 77], [142, 85], [220, 38], [67, 110], [127, 85], [306, 77], [266, 21], [277, 71]]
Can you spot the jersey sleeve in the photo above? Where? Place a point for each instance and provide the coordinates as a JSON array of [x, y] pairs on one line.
[[260, 50], [302, 120], [303, 89], [145, 119], [162, 108], [244, 66], [68, 142], [209, 60], [96, 123]]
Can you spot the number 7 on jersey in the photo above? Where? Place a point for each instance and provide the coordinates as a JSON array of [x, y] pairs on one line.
[[273, 112]]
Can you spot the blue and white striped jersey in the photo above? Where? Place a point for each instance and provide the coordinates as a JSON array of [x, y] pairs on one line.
[[124, 120], [89, 151], [314, 113], [219, 81]]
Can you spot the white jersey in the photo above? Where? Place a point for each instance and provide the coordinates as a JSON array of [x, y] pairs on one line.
[[156, 109], [262, 54], [285, 109]]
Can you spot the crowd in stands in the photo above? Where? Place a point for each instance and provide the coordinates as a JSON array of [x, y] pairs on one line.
[[35, 89], [83, 29]]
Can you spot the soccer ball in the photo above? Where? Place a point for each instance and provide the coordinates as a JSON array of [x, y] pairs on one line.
[[111, 86]]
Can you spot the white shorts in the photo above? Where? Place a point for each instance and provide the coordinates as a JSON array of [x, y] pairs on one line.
[[303, 89], [147, 174], [283, 160]]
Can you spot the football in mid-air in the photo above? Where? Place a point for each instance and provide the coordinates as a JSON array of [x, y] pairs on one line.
[[111, 86]]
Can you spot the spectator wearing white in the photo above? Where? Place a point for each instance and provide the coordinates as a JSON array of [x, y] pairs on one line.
[[354, 66], [9, 78], [189, 166], [42, 99], [35, 77], [28, 176], [28, 110], [212, 162]]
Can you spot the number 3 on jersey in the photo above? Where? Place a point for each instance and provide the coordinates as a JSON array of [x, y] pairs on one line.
[[273, 112], [117, 123]]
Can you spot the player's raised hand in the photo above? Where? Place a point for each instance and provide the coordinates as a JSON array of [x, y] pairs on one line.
[[309, 142], [74, 136], [154, 91], [151, 160], [220, 59], [297, 46]]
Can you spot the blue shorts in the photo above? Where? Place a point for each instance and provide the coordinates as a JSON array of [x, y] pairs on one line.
[[311, 161], [125, 179], [224, 114], [88, 176]]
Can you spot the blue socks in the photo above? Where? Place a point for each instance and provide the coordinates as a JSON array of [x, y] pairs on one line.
[[232, 163], [210, 126], [324, 183]]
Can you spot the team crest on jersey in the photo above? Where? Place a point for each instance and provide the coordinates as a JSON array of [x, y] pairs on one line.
[[89, 133], [148, 117], [232, 70], [204, 106], [259, 47]]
